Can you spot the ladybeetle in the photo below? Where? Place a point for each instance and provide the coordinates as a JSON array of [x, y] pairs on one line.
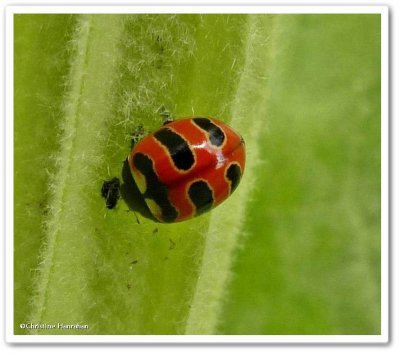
[[187, 167]]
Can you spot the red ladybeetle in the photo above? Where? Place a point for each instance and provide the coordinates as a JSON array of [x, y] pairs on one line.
[[187, 167]]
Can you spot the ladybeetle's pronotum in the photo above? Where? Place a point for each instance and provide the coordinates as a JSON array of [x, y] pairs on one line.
[[110, 191], [187, 167]]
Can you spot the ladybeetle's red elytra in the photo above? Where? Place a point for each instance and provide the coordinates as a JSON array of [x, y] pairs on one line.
[[187, 167]]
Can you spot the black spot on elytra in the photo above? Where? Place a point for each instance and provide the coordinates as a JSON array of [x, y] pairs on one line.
[[156, 190], [233, 174], [131, 195], [201, 195], [215, 133], [178, 148]]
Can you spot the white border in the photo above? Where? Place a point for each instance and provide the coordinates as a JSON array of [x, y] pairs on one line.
[[385, 174], [196, 8], [383, 338]]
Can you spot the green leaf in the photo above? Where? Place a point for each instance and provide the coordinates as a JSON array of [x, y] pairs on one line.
[[116, 271], [84, 83], [310, 263], [40, 64]]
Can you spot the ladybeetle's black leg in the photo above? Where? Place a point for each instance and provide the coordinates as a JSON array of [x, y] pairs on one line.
[[137, 135]]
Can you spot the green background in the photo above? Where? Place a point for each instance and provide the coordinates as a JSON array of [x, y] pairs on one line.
[[296, 249]]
